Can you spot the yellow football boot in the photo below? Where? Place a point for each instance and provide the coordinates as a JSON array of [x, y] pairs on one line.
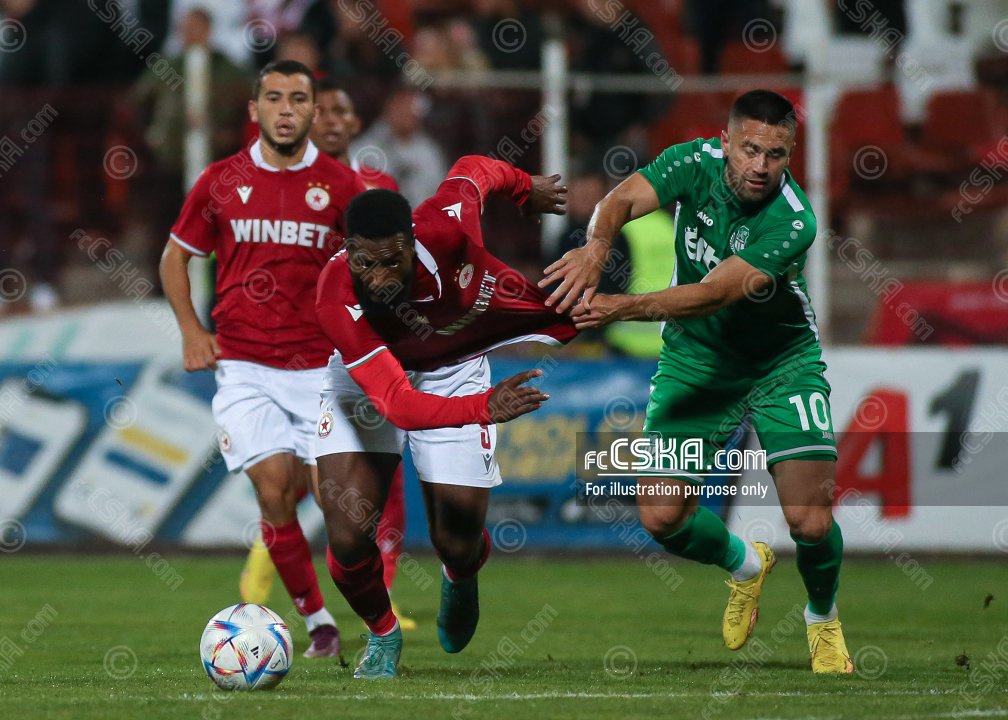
[[743, 601]]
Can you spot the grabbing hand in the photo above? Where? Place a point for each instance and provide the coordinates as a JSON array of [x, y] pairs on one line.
[[604, 310], [579, 272], [512, 398], [546, 195]]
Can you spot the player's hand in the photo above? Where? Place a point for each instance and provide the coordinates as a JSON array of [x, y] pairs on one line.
[[579, 272], [547, 195], [512, 398], [604, 310], [199, 349]]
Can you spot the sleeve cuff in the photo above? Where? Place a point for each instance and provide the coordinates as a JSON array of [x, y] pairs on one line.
[[186, 246]]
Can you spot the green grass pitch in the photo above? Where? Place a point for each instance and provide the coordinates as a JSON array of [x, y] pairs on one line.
[[113, 637]]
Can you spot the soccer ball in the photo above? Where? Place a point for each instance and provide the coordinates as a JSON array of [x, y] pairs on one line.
[[246, 647]]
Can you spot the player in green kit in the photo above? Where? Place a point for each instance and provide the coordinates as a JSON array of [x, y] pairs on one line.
[[740, 339]]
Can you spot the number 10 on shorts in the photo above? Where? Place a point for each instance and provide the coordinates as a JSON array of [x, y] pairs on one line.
[[817, 409]]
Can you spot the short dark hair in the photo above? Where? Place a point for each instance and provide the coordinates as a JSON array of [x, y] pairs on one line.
[[202, 12], [284, 67], [378, 214], [765, 106]]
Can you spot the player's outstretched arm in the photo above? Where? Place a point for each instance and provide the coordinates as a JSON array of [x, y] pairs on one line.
[[579, 270], [199, 346], [485, 176], [729, 282], [388, 388]]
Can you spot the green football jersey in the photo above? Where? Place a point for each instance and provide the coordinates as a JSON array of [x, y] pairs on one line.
[[711, 225]]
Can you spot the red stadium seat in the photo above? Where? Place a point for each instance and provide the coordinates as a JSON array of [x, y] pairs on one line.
[[684, 56], [694, 114], [739, 59], [958, 124], [864, 120], [868, 117]]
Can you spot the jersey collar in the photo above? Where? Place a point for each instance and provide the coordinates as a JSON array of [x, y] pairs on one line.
[[430, 265], [310, 155]]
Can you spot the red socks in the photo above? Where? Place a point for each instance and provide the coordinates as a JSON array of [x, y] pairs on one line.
[[456, 574], [290, 553], [391, 525], [365, 593]]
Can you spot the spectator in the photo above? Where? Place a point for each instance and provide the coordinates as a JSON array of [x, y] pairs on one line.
[[602, 118], [302, 48], [231, 32], [411, 156], [165, 105], [447, 47], [71, 59], [511, 38], [712, 22], [355, 51], [270, 20]]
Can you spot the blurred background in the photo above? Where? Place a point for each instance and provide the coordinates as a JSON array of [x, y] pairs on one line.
[[112, 108]]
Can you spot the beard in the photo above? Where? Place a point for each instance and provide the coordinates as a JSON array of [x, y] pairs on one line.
[[736, 183], [286, 147], [385, 301]]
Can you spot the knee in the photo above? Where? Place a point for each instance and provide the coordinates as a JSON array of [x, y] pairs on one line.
[[662, 521], [811, 525], [347, 541], [277, 500], [454, 549]]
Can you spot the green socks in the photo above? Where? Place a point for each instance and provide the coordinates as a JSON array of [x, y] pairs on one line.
[[705, 539], [819, 567]]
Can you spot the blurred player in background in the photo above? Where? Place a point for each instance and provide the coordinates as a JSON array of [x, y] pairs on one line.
[[419, 293], [336, 125], [740, 338], [274, 215]]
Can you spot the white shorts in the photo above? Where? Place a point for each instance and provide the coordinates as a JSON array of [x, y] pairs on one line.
[[262, 411], [450, 456]]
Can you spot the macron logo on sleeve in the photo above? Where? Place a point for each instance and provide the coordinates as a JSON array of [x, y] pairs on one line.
[[454, 211], [355, 311]]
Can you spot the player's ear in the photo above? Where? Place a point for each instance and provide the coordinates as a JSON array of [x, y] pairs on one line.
[[724, 139], [253, 111]]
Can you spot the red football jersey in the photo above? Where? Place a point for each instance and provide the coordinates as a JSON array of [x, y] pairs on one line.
[[376, 179], [464, 300], [273, 231]]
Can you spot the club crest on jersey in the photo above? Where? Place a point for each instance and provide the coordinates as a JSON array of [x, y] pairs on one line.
[[224, 440], [325, 424], [465, 275], [317, 197], [739, 239]]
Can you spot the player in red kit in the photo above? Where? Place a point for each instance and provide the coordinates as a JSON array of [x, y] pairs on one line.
[[273, 214], [412, 305], [334, 127], [337, 125]]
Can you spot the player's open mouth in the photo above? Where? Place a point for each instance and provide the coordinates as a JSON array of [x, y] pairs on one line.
[[755, 184], [285, 129]]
